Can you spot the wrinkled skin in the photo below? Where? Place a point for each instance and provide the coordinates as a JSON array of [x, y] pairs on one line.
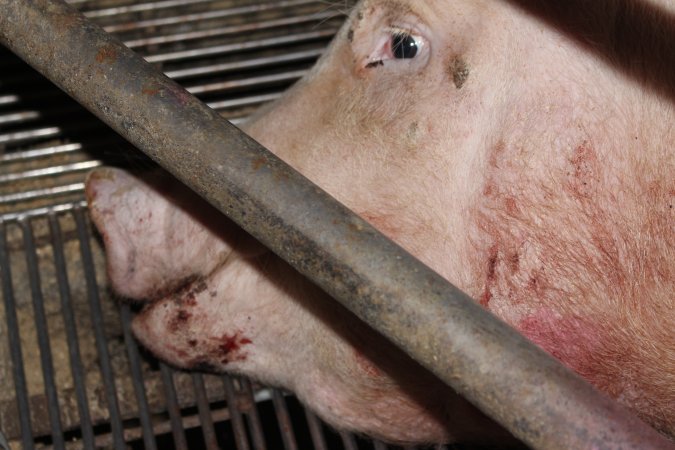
[[505, 154]]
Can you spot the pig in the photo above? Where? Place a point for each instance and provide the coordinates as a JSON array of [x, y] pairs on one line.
[[511, 147]]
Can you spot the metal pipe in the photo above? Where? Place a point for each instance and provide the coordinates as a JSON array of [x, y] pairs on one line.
[[520, 386]]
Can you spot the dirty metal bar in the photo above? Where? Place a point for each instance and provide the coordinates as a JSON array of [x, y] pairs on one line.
[[76, 368], [315, 431], [284, 420], [204, 16], [96, 312], [348, 441], [48, 374], [509, 378], [377, 445], [237, 421], [184, 37], [254, 423], [225, 49], [205, 419], [14, 337], [137, 379], [179, 440]]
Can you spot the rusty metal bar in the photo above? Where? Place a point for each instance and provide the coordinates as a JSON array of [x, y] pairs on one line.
[[512, 380]]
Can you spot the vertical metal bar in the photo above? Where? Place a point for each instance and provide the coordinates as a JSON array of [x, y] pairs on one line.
[[235, 415], [377, 445], [137, 379], [42, 335], [255, 425], [20, 387], [71, 332], [284, 420], [348, 441], [174, 409], [97, 322], [315, 430], [205, 418]]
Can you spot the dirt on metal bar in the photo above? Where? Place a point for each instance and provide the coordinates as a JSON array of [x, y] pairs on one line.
[[510, 379]]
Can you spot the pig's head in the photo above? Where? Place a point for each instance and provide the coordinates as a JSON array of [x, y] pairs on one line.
[[513, 158], [501, 151]]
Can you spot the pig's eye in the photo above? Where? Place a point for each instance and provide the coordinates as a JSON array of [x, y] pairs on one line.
[[404, 45]]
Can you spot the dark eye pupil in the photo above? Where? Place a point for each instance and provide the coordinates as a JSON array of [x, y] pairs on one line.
[[404, 46]]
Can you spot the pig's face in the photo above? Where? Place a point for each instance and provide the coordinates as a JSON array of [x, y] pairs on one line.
[[493, 147]]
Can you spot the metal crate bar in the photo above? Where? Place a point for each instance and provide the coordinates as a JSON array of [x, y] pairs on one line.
[[18, 372], [174, 409], [253, 417], [479, 356], [205, 419], [185, 18], [43, 336], [76, 368], [105, 361], [284, 420], [137, 380], [239, 47], [233, 29], [237, 419]]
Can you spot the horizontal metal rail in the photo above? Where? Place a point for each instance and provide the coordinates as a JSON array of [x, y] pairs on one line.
[[229, 30], [516, 383], [276, 41], [208, 15]]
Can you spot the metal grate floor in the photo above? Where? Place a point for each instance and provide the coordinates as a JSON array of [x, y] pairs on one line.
[[73, 376]]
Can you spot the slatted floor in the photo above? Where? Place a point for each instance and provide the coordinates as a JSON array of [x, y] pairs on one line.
[[72, 374]]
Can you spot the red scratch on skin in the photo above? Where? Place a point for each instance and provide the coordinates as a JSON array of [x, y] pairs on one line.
[[585, 174], [511, 206], [490, 275], [485, 297]]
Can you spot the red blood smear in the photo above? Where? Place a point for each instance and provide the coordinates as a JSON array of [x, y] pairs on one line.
[[230, 346]]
